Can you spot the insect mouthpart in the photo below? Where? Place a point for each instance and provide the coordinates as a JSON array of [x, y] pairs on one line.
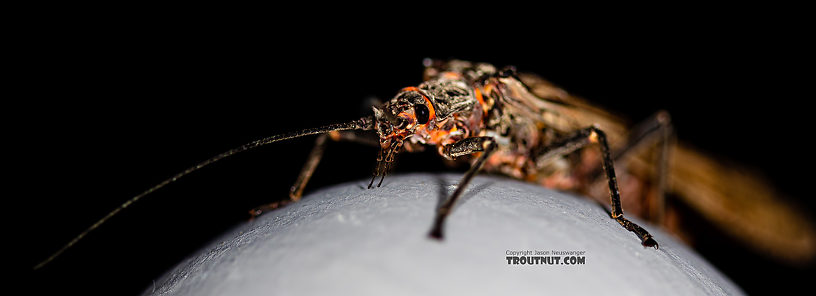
[[400, 118], [393, 126], [388, 151]]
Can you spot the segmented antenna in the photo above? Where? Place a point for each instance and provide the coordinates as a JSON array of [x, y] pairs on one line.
[[365, 123]]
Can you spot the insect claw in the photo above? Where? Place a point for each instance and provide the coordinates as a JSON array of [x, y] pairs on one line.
[[254, 213], [436, 233], [268, 207], [650, 242]]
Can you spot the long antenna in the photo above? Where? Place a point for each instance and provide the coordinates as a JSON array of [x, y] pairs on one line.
[[365, 123]]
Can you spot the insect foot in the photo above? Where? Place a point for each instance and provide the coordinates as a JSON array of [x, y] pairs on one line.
[[436, 234], [650, 242], [254, 213], [436, 231]]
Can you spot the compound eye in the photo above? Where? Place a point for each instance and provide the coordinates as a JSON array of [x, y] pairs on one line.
[[422, 113]]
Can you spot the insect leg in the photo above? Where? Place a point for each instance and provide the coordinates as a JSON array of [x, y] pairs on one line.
[[463, 147], [655, 131], [296, 191], [595, 135], [656, 128]]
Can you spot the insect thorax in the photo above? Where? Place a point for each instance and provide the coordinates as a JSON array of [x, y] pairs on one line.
[[484, 101]]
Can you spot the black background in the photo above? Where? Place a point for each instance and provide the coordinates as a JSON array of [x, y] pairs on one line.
[[104, 108]]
